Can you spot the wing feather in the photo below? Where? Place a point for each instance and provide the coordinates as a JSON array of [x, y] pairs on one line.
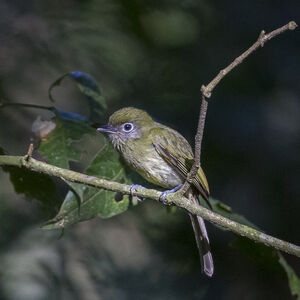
[[177, 152]]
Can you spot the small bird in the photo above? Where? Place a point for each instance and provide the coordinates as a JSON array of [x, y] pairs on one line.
[[163, 157]]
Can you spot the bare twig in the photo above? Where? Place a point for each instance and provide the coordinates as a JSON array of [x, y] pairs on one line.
[[207, 90], [262, 39], [176, 198], [198, 143], [29, 151]]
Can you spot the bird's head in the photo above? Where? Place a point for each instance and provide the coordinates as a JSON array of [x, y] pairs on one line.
[[127, 124]]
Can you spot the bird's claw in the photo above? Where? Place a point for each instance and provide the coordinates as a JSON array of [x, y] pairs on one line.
[[163, 195], [133, 187]]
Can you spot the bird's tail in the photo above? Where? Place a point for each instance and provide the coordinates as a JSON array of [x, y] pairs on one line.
[[202, 240]]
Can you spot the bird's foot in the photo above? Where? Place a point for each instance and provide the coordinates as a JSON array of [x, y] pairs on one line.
[[165, 193], [133, 187]]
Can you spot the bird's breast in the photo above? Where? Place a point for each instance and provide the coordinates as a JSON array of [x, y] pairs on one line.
[[150, 165]]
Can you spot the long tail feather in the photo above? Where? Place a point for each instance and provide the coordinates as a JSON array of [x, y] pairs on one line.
[[202, 241]]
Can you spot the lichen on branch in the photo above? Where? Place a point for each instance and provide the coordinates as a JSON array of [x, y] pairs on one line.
[[176, 199]]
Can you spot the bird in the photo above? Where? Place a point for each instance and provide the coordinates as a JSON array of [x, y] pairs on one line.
[[163, 157]]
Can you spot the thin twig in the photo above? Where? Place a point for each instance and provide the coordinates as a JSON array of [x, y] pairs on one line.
[[29, 152], [207, 90], [176, 198], [198, 144], [262, 39], [6, 103]]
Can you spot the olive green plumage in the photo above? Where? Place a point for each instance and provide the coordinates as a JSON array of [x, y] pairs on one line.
[[163, 157], [152, 145]]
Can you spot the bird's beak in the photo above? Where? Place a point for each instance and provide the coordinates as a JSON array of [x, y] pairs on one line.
[[107, 129]]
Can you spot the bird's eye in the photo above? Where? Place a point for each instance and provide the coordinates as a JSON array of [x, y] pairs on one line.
[[127, 127]]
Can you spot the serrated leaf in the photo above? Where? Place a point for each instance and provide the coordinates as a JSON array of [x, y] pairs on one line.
[[59, 146], [95, 202], [294, 281], [88, 86]]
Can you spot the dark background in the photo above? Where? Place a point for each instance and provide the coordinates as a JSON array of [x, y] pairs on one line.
[[155, 56]]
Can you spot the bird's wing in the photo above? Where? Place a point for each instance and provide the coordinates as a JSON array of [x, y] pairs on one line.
[[177, 152]]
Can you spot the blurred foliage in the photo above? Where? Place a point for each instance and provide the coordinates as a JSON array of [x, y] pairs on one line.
[[59, 145], [94, 202], [34, 186], [155, 55], [83, 203], [294, 280], [226, 211], [88, 86]]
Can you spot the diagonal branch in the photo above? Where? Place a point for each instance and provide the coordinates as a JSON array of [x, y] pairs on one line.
[[198, 142], [207, 90], [262, 39], [38, 166]]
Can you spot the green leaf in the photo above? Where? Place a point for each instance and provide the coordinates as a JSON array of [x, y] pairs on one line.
[[33, 185], [88, 86], [226, 211], [271, 259], [59, 146], [2, 152], [95, 202], [294, 281]]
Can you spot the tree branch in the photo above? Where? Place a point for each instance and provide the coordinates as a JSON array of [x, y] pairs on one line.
[[207, 90], [262, 39], [38, 166], [198, 143]]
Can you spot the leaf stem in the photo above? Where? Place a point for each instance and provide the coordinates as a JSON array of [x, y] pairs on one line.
[[4, 104]]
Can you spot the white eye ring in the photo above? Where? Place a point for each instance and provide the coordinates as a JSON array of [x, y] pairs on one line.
[[127, 127]]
